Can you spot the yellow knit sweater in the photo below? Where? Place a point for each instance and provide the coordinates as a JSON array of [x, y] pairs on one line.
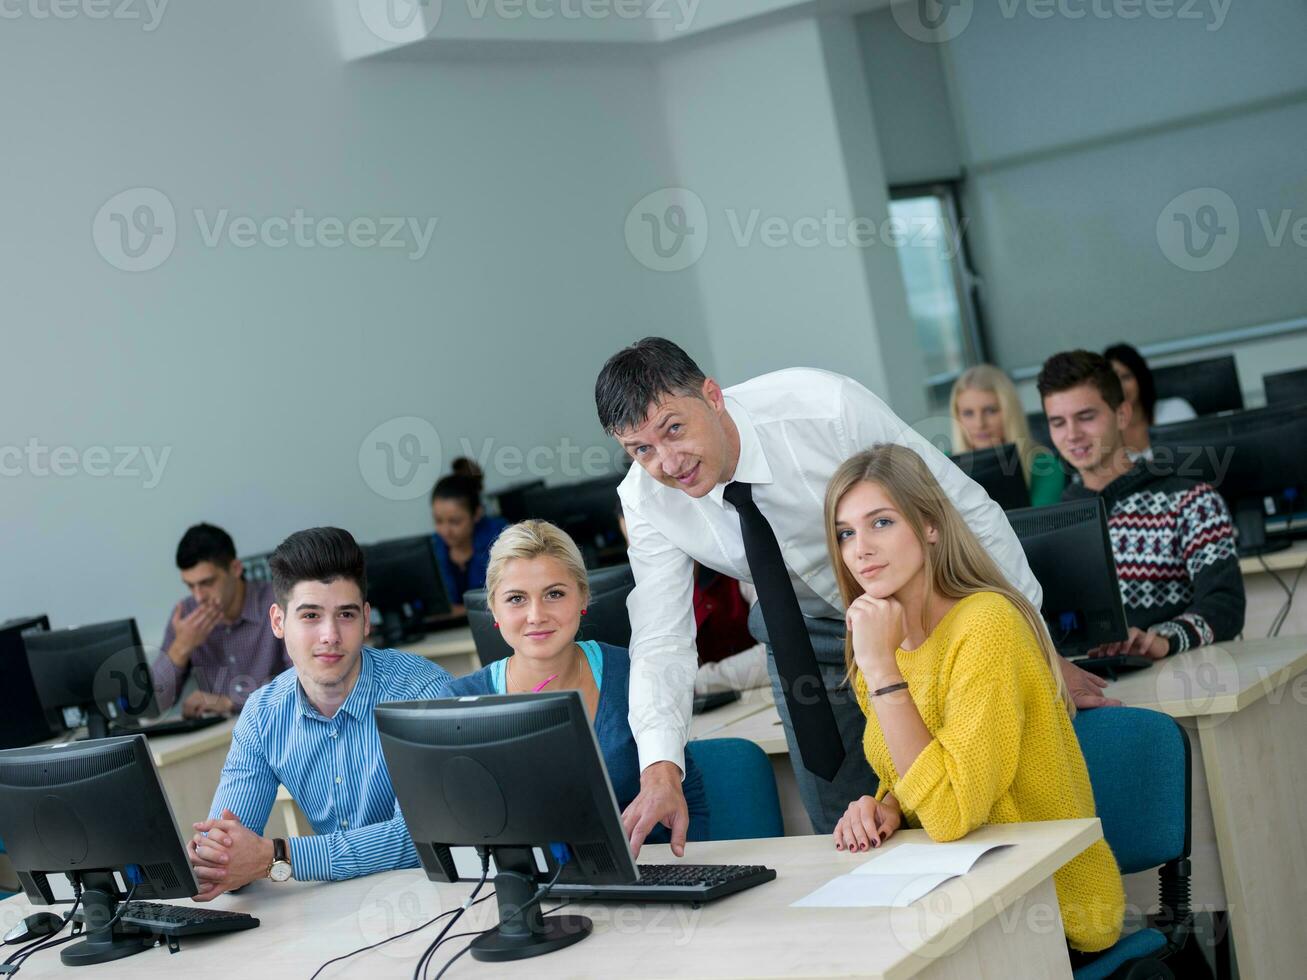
[[1003, 751]]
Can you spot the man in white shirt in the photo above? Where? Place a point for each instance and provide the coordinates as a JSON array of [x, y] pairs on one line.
[[782, 434]]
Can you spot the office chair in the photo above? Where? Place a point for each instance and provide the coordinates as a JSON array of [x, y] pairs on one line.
[[742, 800], [605, 620], [1139, 767]]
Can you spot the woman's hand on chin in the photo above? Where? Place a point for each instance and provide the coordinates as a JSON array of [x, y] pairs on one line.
[[878, 631]]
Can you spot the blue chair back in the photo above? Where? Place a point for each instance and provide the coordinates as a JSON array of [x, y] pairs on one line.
[[1138, 764], [741, 788]]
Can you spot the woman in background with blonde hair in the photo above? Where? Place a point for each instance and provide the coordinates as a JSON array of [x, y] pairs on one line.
[[968, 719], [537, 589], [987, 413]]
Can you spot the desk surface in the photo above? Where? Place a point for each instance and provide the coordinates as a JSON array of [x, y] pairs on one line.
[[751, 934], [1291, 559], [710, 723], [443, 643]]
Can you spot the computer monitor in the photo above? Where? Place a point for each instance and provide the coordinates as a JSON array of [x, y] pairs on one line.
[[606, 618], [96, 812], [512, 500], [1070, 553], [509, 774], [1037, 423], [588, 512], [256, 568], [999, 471], [92, 675], [1286, 387], [22, 718], [1210, 385], [1253, 458], [404, 586]]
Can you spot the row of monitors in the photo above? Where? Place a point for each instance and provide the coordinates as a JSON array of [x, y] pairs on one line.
[[1251, 458]]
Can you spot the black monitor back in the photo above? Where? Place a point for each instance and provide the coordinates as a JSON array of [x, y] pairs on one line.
[[102, 669], [1286, 387], [88, 808], [1070, 552], [605, 620], [512, 500], [404, 585], [1037, 422], [22, 718], [1210, 385], [1247, 456], [999, 471], [516, 771], [588, 512]]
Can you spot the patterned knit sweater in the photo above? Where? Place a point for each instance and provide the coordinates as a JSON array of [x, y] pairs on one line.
[[1175, 556], [1002, 750]]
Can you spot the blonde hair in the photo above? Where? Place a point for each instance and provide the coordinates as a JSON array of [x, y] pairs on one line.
[[986, 377], [534, 539], [956, 567]]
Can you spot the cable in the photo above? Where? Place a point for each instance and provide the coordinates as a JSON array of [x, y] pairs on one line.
[[19, 956], [419, 971], [1283, 615], [452, 960], [391, 939]]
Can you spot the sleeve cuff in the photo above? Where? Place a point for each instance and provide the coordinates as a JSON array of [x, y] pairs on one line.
[[915, 786], [660, 747], [310, 857]]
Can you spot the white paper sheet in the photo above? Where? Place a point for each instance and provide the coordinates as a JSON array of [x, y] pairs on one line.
[[898, 877]]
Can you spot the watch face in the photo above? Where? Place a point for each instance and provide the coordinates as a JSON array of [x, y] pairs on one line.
[[280, 871]]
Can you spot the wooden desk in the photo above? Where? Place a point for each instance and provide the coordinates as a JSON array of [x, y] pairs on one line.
[[453, 649], [1245, 707], [1266, 596], [1001, 920], [710, 723]]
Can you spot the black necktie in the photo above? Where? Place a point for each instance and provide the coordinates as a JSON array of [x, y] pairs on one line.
[[815, 729]]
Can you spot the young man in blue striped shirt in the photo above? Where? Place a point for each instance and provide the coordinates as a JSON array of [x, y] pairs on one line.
[[311, 730]]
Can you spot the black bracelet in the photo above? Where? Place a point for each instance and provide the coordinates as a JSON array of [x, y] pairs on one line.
[[900, 686]]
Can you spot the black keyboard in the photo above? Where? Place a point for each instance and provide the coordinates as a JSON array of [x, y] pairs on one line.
[[718, 699], [1111, 667], [694, 883], [161, 919], [173, 726]]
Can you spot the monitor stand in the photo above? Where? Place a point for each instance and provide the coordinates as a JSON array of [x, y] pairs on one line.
[[99, 904], [519, 934]]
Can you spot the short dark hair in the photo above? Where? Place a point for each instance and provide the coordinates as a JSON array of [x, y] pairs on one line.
[[641, 375], [1074, 368], [319, 554], [205, 542], [1134, 360], [465, 489]]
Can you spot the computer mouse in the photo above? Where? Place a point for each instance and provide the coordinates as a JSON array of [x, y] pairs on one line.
[[35, 926]]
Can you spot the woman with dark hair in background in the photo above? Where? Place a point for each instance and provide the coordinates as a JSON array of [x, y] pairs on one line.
[[464, 533], [1141, 393]]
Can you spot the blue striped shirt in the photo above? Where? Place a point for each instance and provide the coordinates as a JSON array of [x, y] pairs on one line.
[[333, 767]]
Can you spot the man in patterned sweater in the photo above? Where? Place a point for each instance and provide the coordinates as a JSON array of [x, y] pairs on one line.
[[1171, 538]]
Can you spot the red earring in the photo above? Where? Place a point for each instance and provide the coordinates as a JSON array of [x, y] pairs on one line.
[[496, 626], [582, 612]]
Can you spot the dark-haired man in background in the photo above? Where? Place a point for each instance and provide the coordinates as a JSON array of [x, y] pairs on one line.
[[735, 480], [312, 731], [220, 633], [1172, 539]]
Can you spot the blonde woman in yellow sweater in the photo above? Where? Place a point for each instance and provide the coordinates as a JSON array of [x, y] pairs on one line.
[[968, 719]]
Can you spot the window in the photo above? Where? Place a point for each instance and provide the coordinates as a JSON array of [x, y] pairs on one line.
[[940, 286]]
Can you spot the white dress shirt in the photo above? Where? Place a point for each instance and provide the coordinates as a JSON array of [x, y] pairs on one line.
[[796, 427]]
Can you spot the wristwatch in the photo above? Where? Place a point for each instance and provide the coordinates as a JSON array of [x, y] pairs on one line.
[[280, 870]]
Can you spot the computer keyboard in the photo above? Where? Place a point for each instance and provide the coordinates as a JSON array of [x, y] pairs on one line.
[[1110, 667], [693, 883], [161, 919], [172, 726], [718, 699]]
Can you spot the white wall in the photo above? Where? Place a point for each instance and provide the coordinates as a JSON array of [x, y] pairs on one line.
[[774, 124], [1076, 134], [262, 370]]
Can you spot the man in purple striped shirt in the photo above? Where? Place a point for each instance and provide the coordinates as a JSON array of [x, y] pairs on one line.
[[221, 632]]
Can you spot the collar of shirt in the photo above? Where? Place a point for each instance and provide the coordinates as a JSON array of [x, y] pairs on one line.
[[752, 465], [359, 703], [255, 607]]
